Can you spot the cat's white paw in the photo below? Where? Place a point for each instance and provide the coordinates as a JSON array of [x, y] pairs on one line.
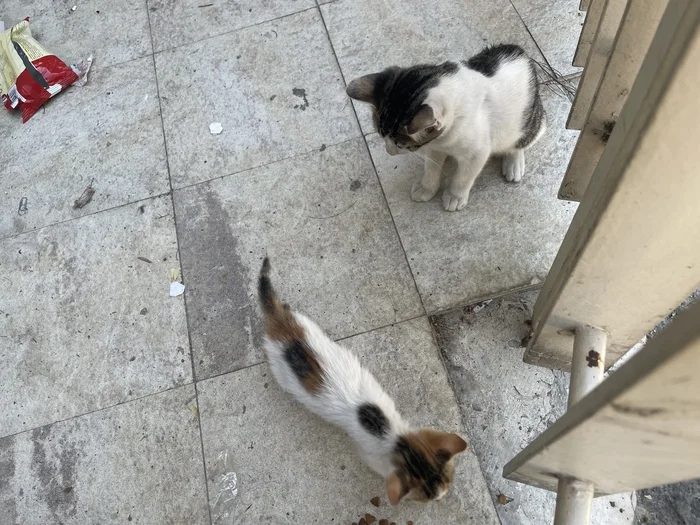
[[452, 202], [420, 193], [513, 166]]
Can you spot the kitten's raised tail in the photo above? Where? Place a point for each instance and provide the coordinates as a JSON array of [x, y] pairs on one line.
[[266, 293], [281, 325]]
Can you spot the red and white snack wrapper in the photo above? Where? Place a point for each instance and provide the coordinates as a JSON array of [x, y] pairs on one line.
[[29, 74]]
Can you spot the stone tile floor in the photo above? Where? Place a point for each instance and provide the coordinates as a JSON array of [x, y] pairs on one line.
[[124, 405]]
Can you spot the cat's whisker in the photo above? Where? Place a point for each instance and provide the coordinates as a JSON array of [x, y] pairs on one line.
[[427, 159]]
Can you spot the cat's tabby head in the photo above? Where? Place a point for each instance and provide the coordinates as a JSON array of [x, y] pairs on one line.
[[402, 114], [424, 465]]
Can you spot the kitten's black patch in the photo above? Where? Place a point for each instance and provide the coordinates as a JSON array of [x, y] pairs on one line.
[[489, 59], [373, 419], [534, 115], [419, 467], [400, 93], [297, 356]]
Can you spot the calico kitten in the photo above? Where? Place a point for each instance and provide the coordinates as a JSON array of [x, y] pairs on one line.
[[487, 105], [329, 381]]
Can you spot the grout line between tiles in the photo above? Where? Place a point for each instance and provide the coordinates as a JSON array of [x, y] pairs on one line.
[[231, 31], [101, 409], [64, 221], [173, 190], [413, 318], [179, 258], [246, 170], [374, 167], [469, 302], [246, 367]]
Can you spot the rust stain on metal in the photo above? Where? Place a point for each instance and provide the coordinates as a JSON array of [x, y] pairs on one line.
[[593, 359]]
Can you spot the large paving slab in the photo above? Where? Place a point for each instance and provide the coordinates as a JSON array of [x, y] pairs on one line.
[[556, 27], [113, 31], [369, 35], [107, 133], [306, 471], [322, 219], [138, 463], [506, 237], [178, 22], [275, 88], [85, 323], [506, 403]]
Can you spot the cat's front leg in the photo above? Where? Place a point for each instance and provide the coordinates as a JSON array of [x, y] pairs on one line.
[[455, 196], [427, 186], [513, 165]]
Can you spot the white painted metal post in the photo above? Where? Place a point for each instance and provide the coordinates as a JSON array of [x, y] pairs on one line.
[[574, 496], [573, 502], [588, 362]]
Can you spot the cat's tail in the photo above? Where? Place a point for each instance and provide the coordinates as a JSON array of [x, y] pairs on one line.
[[269, 301], [280, 321]]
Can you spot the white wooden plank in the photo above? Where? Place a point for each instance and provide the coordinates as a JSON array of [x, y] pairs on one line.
[[640, 428], [590, 26], [631, 254], [637, 29], [597, 62]]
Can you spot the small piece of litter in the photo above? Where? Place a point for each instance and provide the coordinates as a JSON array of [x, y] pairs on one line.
[[194, 410], [647, 496], [81, 69], [476, 308], [144, 260], [22, 206], [215, 128], [176, 288], [85, 197], [174, 274], [74, 8], [375, 501], [503, 499]]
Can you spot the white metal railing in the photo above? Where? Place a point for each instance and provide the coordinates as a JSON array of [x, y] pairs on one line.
[[631, 255]]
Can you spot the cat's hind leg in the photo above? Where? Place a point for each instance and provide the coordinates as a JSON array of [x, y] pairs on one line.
[[513, 165]]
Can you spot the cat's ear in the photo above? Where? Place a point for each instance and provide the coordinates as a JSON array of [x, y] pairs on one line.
[[446, 443], [425, 118], [362, 88], [395, 489]]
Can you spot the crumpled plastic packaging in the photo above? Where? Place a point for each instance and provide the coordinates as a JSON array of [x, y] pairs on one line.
[[81, 69], [223, 489], [29, 74]]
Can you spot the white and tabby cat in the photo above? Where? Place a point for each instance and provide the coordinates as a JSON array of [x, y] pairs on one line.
[[330, 381], [487, 105]]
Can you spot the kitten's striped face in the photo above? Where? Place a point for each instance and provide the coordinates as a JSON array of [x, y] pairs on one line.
[[424, 462], [398, 96]]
